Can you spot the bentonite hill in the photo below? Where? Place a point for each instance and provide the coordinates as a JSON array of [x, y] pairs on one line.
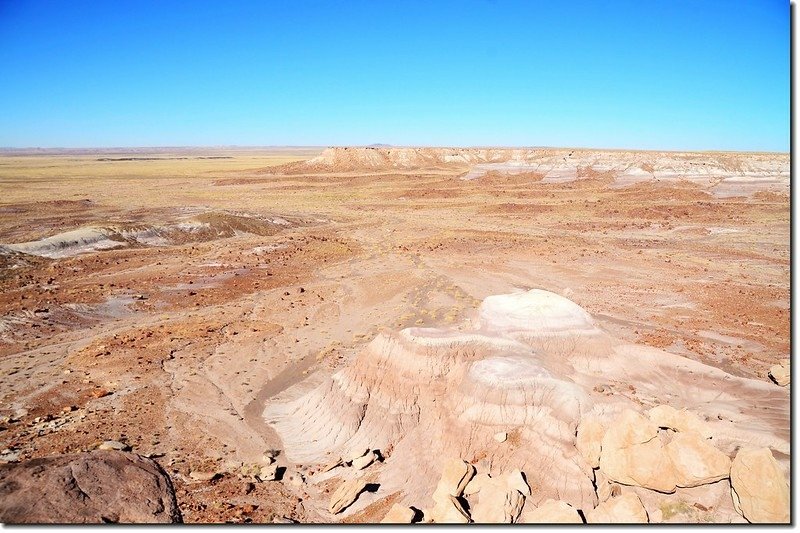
[[402, 335]]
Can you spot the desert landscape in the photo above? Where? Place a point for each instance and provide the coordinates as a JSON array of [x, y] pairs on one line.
[[394, 334]]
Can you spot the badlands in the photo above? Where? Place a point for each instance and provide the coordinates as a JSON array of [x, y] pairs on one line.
[[394, 335]]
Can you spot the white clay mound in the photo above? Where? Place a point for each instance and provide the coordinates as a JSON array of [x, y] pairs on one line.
[[537, 366], [535, 312], [70, 243]]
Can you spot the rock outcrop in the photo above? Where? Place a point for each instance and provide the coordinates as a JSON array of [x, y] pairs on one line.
[[695, 461], [500, 499], [781, 373], [632, 454], [346, 494], [448, 510], [399, 514], [684, 421], [552, 512], [455, 476], [624, 509], [759, 488], [589, 440], [94, 487], [721, 174], [568, 397]]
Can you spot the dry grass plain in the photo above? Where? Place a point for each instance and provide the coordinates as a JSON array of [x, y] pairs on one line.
[[252, 281]]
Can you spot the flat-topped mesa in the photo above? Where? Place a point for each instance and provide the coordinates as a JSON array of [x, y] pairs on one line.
[[720, 174], [554, 164], [529, 370], [355, 159]]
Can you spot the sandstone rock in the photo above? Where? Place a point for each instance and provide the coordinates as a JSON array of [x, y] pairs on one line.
[[9, 456], [92, 487], [455, 476], [682, 420], [113, 445], [516, 480], [355, 454], [632, 454], [498, 505], [330, 466], [361, 463], [476, 483], [759, 489], [294, 479], [448, 510], [346, 494], [780, 374], [500, 500], [447, 391], [399, 514], [552, 512], [268, 472], [199, 475], [696, 461], [604, 487], [501, 437], [625, 509], [628, 429], [589, 440]]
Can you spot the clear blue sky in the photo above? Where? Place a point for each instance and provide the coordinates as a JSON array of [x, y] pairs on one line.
[[671, 74]]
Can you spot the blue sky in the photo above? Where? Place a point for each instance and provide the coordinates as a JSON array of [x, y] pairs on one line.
[[672, 74]]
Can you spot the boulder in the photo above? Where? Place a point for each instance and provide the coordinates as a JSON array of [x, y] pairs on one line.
[[632, 454], [200, 475], [93, 487], [589, 440], [268, 472], [629, 429], [355, 454], [695, 461], [516, 480], [455, 476], [345, 495], [498, 504], [683, 421], [552, 512], [448, 510], [780, 374], [113, 445], [625, 509], [475, 485], [361, 463], [330, 466], [605, 489], [759, 488], [500, 500], [399, 514]]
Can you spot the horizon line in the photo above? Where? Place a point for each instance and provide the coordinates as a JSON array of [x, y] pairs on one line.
[[375, 146]]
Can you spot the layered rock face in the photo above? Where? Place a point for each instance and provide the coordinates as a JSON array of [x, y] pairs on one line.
[[570, 399], [724, 174], [95, 487]]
